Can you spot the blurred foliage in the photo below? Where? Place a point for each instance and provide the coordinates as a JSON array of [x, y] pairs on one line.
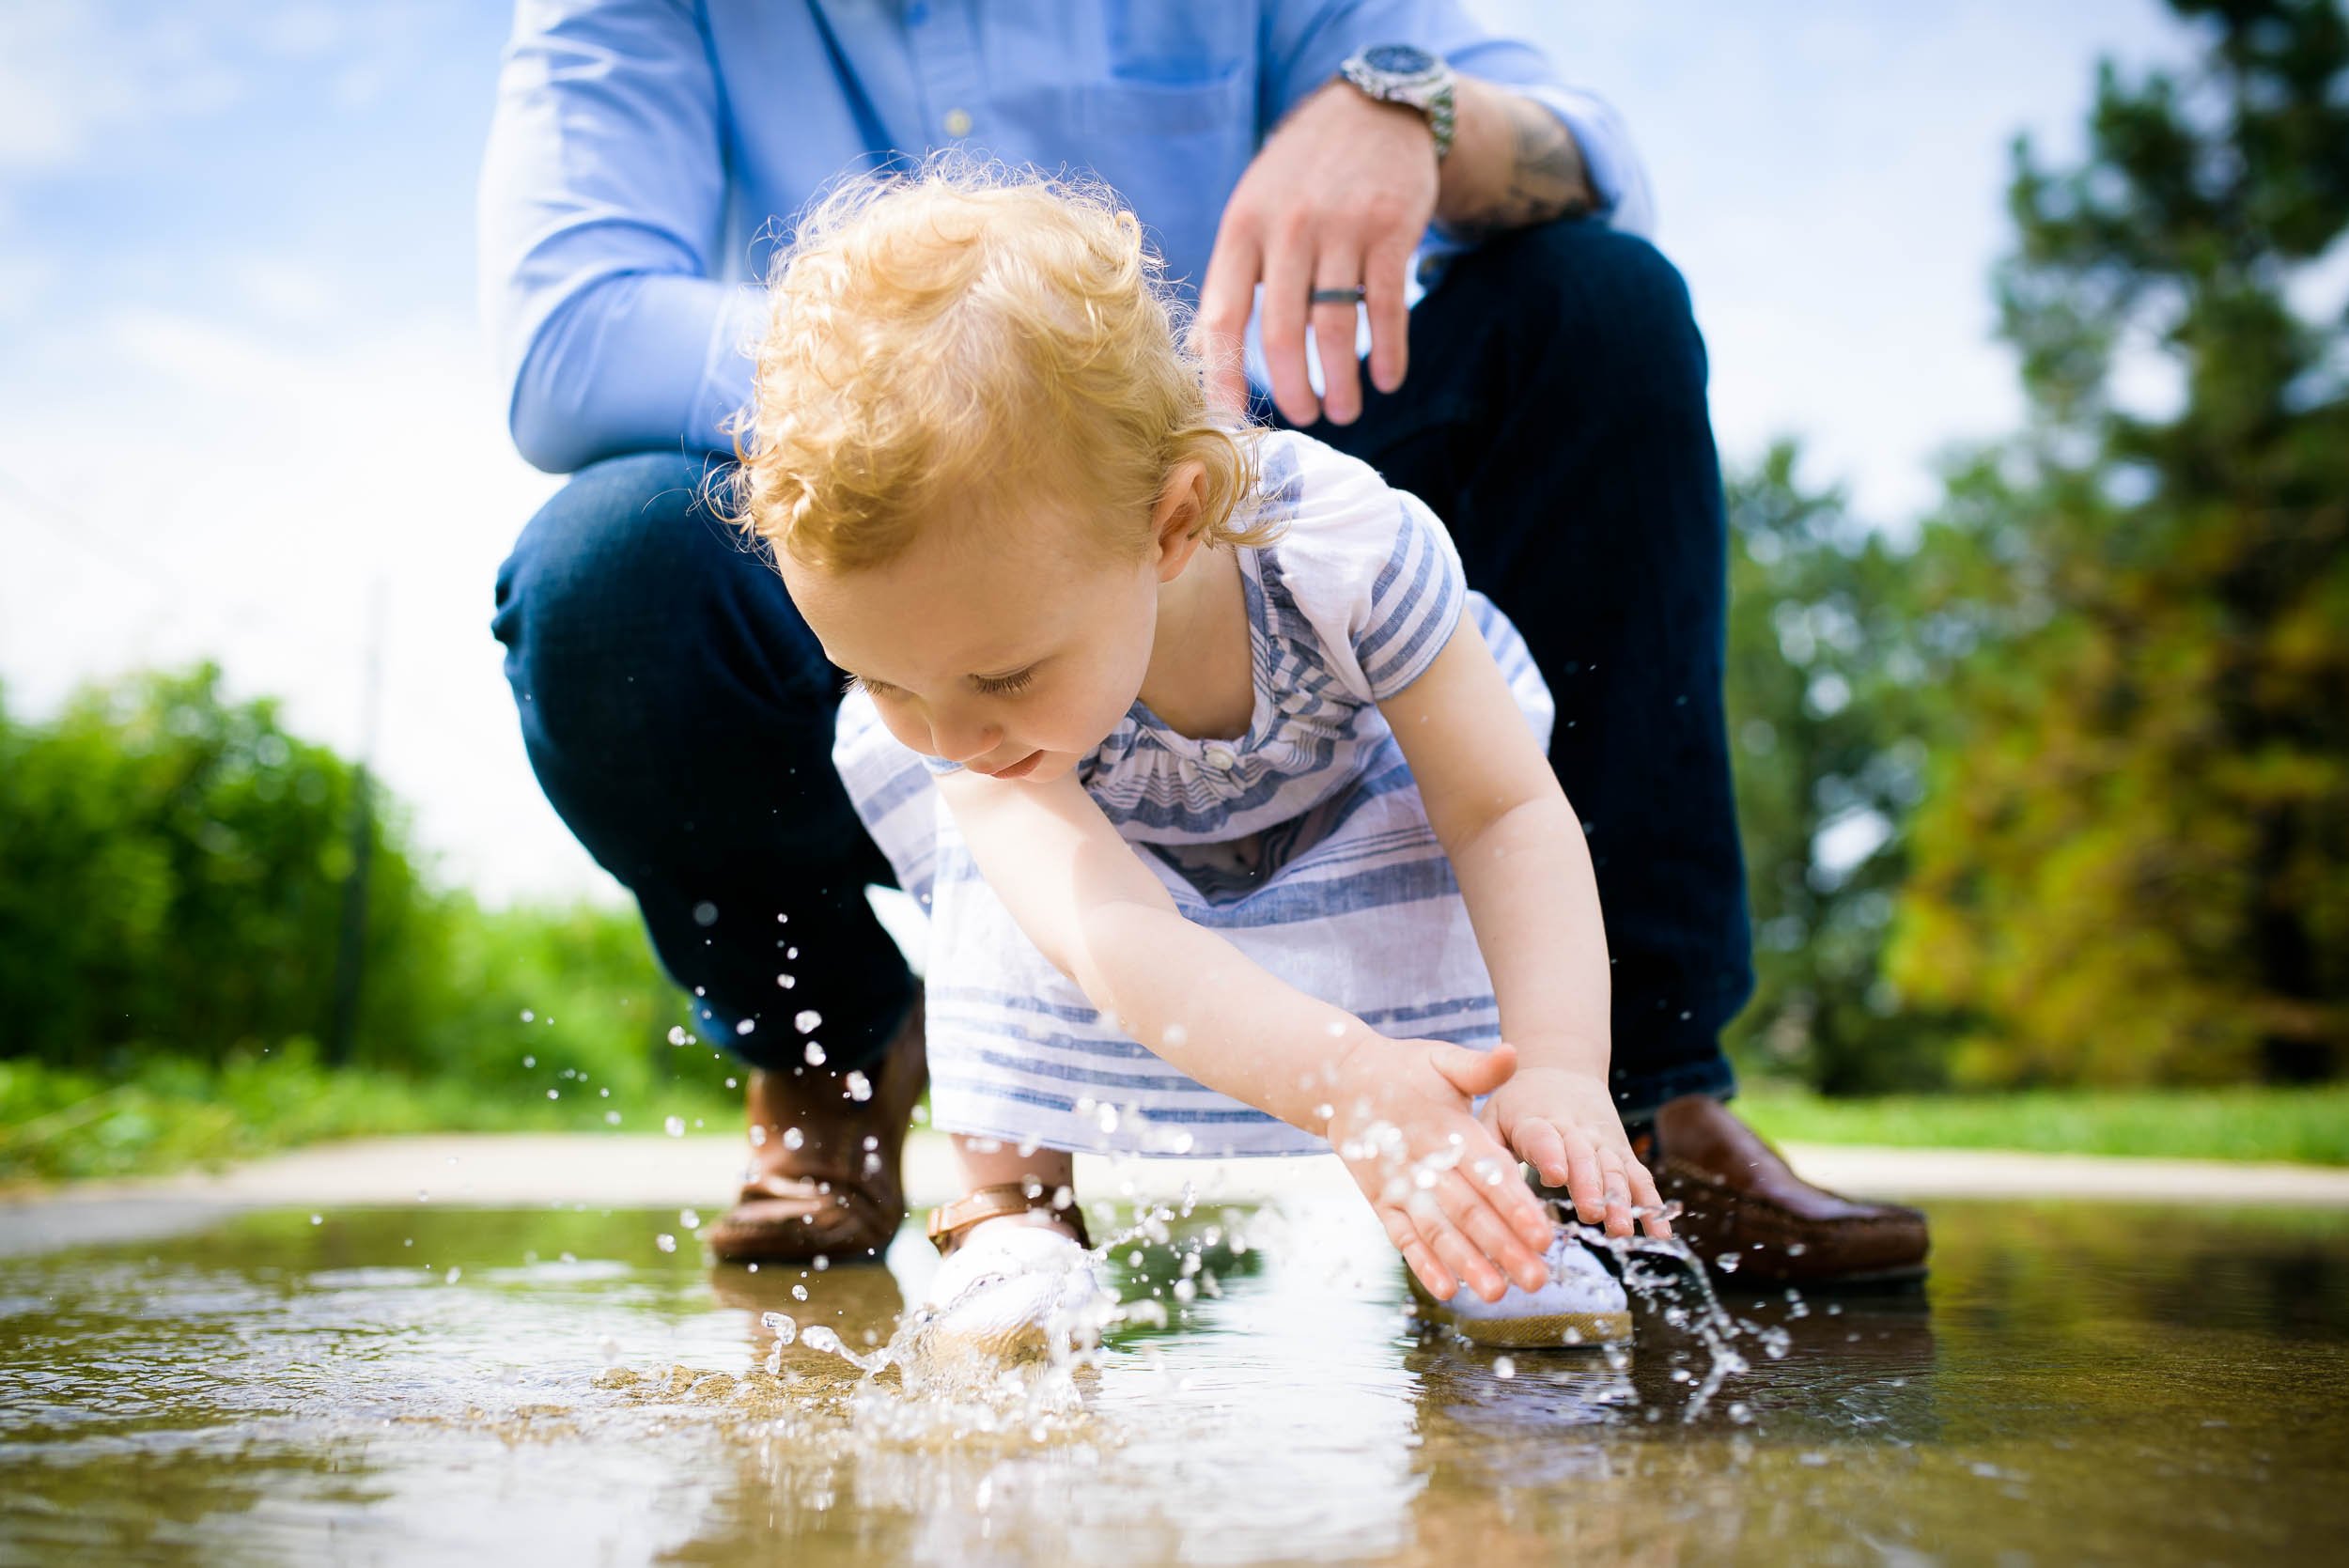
[[2243, 1122], [172, 867], [2133, 862], [2058, 792]]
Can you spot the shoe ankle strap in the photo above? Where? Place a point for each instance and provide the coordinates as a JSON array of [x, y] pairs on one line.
[[949, 1220]]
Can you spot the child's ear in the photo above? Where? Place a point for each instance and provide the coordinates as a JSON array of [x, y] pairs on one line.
[[1175, 517]]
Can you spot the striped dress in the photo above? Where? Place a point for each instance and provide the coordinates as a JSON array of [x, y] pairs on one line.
[[1303, 841]]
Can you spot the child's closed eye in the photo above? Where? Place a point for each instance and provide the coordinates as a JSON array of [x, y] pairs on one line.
[[1004, 686]]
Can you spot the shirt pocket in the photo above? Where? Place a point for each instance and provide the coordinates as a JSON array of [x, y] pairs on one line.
[[1127, 106]]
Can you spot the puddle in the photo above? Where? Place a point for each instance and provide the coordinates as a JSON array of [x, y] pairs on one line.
[[430, 1384]]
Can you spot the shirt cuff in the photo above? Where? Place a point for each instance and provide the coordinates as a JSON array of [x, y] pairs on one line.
[[1612, 165]]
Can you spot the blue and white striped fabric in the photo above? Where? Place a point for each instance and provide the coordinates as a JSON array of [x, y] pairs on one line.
[[1303, 841]]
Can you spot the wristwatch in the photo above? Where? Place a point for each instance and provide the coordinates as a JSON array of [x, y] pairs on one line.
[[1406, 74]]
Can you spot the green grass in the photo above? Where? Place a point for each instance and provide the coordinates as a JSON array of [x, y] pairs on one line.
[[172, 1113], [2309, 1126]]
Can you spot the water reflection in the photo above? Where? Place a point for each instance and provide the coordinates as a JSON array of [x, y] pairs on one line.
[[2082, 1381]]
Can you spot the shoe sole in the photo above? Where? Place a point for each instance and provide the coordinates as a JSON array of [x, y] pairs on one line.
[[1550, 1331]]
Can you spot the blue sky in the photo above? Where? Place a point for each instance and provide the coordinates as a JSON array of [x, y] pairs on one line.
[[244, 384]]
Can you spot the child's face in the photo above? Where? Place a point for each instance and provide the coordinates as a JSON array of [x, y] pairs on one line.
[[998, 647]]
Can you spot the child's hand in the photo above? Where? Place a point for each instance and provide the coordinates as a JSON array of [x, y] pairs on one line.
[[1563, 1125], [1449, 1193]]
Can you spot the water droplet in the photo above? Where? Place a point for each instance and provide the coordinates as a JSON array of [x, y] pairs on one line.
[[860, 1087], [793, 1138], [674, 1126], [452, 1276], [666, 1242], [528, 1014], [690, 1219], [611, 1118], [554, 1094], [530, 1061], [705, 913], [815, 1054], [1173, 1034], [808, 1020], [317, 1220], [798, 1293], [786, 1330], [1726, 1263], [746, 1026], [1504, 1366], [677, 1034], [820, 1263]]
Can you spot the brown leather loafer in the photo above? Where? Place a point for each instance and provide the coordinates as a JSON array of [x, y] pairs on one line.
[[1739, 1200], [823, 1177]]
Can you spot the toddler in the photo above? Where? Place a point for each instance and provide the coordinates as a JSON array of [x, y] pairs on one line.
[[1227, 797]]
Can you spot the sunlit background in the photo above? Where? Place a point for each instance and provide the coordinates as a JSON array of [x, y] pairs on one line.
[[244, 384]]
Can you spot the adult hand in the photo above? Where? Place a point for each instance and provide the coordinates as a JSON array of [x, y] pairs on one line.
[[1337, 198]]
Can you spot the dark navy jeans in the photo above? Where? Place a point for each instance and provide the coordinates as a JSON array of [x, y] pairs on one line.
[[679, 713]]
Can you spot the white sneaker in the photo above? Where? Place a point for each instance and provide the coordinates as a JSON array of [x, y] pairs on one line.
[[1014, 1292], [1581, 1305]]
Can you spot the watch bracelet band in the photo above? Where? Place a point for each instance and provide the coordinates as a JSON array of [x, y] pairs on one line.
[[1439, 107]]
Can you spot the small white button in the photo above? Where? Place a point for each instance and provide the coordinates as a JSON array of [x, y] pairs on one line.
[[1219, 758], [958, 122]]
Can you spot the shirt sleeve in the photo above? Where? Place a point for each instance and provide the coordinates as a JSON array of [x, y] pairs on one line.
[[1308, 40], [1371, 568], [602, 196]]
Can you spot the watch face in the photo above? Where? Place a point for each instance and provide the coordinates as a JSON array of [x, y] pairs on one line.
[[1398, 59]]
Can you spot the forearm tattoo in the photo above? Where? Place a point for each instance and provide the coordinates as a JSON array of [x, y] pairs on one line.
[[1544, 177]]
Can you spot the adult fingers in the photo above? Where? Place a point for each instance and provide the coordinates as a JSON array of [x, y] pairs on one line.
[[1335, 327], [1385, 279], [1227, 296], [1287, 287]]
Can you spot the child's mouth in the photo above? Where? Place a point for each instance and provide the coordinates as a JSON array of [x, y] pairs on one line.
[[1019, 770]]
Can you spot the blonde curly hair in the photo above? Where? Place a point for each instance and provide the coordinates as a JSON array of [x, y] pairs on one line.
[[991, 339]]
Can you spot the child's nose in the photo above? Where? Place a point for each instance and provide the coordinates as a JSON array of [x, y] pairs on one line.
[[959, 741]]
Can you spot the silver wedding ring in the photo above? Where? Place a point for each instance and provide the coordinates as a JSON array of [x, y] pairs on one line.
[[1353, 295]]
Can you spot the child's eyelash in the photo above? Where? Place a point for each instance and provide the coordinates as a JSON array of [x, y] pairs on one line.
[[1009, 684], [858, 683]]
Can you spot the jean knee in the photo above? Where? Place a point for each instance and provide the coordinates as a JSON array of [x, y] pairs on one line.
[[1603, 303]]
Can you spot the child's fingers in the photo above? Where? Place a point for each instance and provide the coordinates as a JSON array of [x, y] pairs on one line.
[[1457, 1253], [1540, 1146], [1650, 1202], [1490, 1233], [1422, 1262], [1475, 1072], [1586, 1183], [1618, 1194]]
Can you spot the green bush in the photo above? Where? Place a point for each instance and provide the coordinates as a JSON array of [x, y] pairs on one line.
[[172, 877]]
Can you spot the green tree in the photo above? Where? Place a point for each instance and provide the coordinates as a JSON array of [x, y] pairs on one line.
[[2133, 866], [1831, 699]]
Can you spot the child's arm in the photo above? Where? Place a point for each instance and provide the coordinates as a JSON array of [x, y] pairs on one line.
[[1084, 897], [1517, 848]]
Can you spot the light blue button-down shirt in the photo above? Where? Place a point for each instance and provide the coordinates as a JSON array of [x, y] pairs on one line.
[[646, 157]]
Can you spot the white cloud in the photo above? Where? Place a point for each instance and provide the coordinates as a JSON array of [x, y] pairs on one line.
[[149, 65], [238, 499]]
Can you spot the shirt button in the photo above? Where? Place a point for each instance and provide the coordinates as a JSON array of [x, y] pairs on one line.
[[958, 122], [1219, 757]]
